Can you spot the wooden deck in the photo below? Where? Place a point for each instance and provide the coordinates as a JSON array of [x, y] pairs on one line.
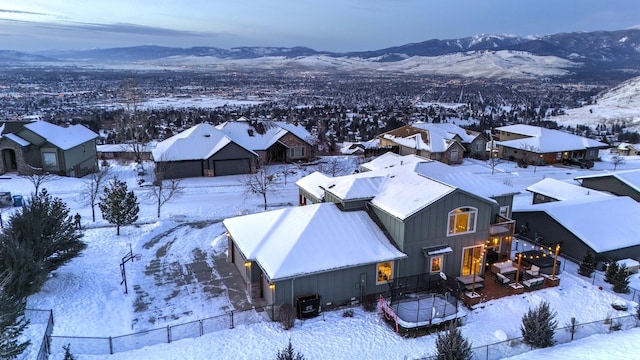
[[494, 290]]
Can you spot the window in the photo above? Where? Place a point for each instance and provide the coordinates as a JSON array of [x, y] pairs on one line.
[[504, 211], [472, 260], [436, 264], [49, 160], [296, 152], [453, 155], [462, 220], [385, 272]]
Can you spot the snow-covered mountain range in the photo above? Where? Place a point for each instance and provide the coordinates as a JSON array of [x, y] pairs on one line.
[[616, 53]]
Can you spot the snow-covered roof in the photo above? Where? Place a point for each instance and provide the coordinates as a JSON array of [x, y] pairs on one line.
[[196, 143], [17, 139], [310, 239], [391, 159], [435, 143], [562, 190], [263, 134], [447, 130], [542, 140], [597, 229], [355, 188], [314, 184], [405, 192], [64, 138], [629, 177], [465, 178]]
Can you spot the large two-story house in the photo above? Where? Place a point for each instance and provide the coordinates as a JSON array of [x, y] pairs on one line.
[[359, 233]]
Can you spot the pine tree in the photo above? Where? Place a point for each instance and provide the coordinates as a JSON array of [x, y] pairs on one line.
[[289, 354], [621, 280], [67, 353], [12, 323], [37, 241], [587, 266], [118, 205], [538, 326], [612, 270], [452, 345]]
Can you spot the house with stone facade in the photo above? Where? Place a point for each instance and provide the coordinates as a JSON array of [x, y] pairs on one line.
[[40, 146]]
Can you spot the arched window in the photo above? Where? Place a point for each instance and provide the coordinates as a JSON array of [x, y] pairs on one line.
[[462, 221]]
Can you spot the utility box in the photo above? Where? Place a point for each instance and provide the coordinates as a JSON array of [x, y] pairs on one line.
[[308, 306], [17, 200]]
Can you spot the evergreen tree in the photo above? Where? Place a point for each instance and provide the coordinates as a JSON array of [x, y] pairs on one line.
[[289, 354], [588, 265], [12, 323], [37, 240], [538, 326], [612, 270], [118, 205], [452, 345], [67, 353], [621, 280]]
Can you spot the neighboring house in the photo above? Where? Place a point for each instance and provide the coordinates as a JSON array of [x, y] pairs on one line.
[[273, 141], [412, 140], [537, 145], [42, 146], [434, 228], [364, 149], [125, 151], [202, 150], [628, 149], [621, 183], [549, 190], [603, 225], [444, 142]]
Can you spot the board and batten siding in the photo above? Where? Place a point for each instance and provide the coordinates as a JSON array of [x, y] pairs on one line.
[[611, 184], [429, 227], [335, 287]]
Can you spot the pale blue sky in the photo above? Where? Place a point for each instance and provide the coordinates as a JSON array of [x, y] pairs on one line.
[[331, 25]]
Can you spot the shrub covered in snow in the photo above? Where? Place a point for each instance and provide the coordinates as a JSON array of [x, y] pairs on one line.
[[287, 315]]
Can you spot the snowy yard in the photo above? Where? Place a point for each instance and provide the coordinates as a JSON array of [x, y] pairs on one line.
[[88, 299]]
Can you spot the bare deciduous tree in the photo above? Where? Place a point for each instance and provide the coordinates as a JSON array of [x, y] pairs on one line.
[[531, 155], [164, 190], [262, 183], [92, 189], [333, 167], [617, 160], [39, 177], [133, 126]]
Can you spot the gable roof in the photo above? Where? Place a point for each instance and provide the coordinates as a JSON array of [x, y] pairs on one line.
[[597, 229], [310, 239], [261, 135], [562, 190], [465, 178], [542, 140], [391, 159], [64, 138], [314, 184], [196, 143], [417, 138], [448, 130], [629, 177]]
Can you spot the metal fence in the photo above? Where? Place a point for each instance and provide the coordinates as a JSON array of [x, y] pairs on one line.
[[563, 335], [39, 319], [193, 329]]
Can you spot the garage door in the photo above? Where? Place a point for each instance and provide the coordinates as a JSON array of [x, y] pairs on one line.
[[231, 167]]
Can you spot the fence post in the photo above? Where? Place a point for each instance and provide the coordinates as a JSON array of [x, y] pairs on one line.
[[169, 333], [201, 328], [110, 346], [232, 320]]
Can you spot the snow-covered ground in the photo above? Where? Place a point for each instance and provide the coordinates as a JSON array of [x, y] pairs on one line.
[[88, 299]]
